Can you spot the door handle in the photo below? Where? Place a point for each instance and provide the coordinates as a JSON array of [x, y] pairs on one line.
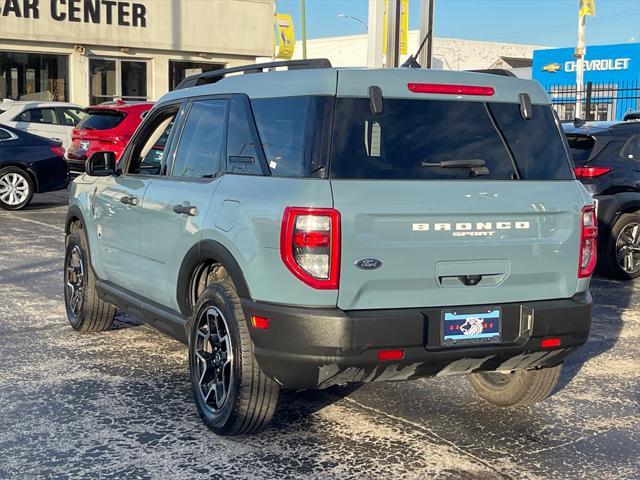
[[127, 200], [185, 210]]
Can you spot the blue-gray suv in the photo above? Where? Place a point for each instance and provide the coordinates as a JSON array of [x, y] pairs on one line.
[[300, 226]]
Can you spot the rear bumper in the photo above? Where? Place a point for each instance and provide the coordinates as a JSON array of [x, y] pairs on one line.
[[318, 347]]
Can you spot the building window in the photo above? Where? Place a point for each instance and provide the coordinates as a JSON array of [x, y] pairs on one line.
[[34, 76], [112, 79], [178, 71]]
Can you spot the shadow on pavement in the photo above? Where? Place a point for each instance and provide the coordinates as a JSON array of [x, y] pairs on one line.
[[608, 306]]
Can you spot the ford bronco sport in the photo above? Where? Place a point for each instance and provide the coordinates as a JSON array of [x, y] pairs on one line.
[[314, 226]]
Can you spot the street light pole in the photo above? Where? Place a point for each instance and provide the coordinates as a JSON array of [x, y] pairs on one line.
[[579, 56], [304, 29], [342, 15]]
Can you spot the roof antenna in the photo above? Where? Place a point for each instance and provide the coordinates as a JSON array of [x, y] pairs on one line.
[[411, 61]]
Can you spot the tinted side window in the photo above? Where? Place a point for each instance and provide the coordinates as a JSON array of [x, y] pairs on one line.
[[150, 150], [4, 135], [536, 143], [72, 116], [200, 149], [241, 151], [631, 149], [295, 133], [38, 115]]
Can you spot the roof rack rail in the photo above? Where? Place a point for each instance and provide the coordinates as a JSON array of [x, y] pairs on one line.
[[495, 71], [213, 76]]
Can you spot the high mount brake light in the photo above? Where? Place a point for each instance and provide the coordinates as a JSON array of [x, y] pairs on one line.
[[310, 245], [588, 242], [440, 88], [591, 172]]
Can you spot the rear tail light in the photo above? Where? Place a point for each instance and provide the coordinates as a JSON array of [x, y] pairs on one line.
[[310, 245], [440, 88], [591, 172], [588, 242], [59, 151]]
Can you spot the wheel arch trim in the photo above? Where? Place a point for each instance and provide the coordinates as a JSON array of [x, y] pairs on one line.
[[201, 252]]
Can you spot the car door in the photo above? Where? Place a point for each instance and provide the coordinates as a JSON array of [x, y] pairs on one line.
[[118, 200], [68, 118], [42, 121], [175, 205]]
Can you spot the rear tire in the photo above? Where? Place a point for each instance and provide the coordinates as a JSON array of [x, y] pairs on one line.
[[16, 188], [231, 393], [86, 311], [619, 259], [517, 389]]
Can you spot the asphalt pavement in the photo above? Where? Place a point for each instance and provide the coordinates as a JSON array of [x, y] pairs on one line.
[[118, 404]]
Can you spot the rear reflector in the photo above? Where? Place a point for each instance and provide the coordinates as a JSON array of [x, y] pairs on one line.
[[261, 323], [386, 355], [591, 172], [440, 88], [550, 342], [59, 151], [588, 242]]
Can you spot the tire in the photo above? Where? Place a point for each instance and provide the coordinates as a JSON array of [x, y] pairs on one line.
[[618, 249], [86, 311], [16, 188], [517, 389], [231, 393]]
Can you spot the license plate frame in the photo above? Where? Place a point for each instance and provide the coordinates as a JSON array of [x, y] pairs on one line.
[[471, 326]]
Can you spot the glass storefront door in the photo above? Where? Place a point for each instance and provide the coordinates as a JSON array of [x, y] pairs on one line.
[[112, 79], [34, 76]]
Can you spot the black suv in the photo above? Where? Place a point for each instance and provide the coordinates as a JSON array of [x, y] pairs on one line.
[[607, 161]]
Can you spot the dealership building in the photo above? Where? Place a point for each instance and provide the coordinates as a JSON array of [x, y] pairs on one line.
[[91, 51], [611, 72]]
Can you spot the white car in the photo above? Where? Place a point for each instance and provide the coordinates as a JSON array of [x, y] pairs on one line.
[[54, 120]]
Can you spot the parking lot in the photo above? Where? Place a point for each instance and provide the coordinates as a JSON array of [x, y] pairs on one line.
[[118, 404]]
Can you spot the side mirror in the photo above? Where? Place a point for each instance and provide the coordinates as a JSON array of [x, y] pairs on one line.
[[101, 164]]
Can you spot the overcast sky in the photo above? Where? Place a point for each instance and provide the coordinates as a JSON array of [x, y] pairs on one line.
[[539, 22]]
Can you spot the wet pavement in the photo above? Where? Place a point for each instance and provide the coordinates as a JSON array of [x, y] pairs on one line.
[[118, 404]]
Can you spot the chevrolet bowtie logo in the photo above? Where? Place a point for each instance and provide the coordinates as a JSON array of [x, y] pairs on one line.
[[551, 67]]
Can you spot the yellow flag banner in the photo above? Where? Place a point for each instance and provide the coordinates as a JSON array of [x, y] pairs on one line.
[[587, 8], [404, 26], [285, 36]]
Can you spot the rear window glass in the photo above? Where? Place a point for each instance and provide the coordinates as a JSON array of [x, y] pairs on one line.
[[96, 120], [294, 132], [580, 147], [411, 138]]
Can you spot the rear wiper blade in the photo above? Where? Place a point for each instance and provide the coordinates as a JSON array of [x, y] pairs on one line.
[[470, 163], [477, 165]]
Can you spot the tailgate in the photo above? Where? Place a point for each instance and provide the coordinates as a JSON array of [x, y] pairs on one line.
[[457, 243]]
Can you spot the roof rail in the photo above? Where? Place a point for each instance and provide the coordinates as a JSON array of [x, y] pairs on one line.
[[213, 76], [495, 71]]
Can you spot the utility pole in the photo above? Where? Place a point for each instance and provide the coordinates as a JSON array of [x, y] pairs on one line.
[[426, 27], [578, 54], [375, 32], [304, 29], [393, 34]]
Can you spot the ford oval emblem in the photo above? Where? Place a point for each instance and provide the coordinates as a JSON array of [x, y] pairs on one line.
[[368, 263]]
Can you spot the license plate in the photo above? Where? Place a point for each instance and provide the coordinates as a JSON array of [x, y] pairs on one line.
[[465, 326], [84, 146]]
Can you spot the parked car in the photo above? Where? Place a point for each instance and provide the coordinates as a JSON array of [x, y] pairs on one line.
[[316, 226], [53, 120], [106, 127], [632, 117], [28, 164], [606, 156]]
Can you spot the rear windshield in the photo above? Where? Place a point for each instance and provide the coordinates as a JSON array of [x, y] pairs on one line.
[[580, 147], [410, 139], [101, 120]]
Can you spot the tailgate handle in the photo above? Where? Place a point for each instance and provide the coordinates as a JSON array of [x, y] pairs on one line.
[[470, 280]]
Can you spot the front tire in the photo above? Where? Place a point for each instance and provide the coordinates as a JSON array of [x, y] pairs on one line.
[[16, 188], [621, 257], [516, 389], [231, 393], [86, 311]]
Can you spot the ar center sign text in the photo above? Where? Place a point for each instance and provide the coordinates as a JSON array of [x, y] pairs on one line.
[[603, 65], [109, 12]]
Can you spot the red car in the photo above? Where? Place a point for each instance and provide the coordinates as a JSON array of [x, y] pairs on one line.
[[106, 127]]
